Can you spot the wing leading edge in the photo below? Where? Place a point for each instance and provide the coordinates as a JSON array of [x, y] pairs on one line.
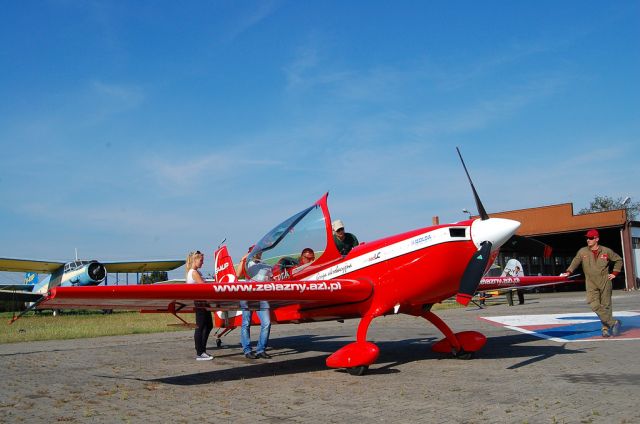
[[143, 266], [218, 296], [28, 265], [494, 283]]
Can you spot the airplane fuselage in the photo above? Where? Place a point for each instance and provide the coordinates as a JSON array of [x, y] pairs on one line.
[[407, 272]]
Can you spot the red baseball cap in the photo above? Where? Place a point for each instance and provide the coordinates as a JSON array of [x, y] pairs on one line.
[[593, 233]]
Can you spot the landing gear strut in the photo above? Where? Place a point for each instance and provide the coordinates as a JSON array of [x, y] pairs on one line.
[[461, 345], [357, 356]]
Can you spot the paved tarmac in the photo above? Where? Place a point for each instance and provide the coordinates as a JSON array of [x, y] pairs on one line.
[[516, 378]]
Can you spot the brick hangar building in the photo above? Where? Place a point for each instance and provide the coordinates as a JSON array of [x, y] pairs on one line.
[[564, 232]]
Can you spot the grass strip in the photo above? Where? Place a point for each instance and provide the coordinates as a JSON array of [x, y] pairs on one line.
[[74, 325]]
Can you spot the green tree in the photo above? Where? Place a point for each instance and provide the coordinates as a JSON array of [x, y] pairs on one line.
[[154, 277], [606, 203]]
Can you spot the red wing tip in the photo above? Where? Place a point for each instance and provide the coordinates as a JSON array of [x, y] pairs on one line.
[[463, 299]]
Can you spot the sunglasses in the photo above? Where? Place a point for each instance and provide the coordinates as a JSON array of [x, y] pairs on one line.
[[309, 257], [590, 238], [340, 230]]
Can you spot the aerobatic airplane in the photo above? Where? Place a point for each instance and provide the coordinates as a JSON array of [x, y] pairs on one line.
[[405, 273], [68, 274]]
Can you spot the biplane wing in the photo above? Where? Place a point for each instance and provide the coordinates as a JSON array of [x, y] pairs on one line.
[[215, 296], [21, 287], [131, 267], [29, 265], [19, 296]]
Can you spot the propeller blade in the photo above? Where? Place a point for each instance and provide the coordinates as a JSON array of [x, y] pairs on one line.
[[481, 211], [473, 273]]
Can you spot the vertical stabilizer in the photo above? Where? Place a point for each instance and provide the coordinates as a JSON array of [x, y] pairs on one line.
[[225, 272], [43, 286]]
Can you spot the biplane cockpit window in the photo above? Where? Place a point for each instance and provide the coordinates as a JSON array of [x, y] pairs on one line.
[[287, 240]]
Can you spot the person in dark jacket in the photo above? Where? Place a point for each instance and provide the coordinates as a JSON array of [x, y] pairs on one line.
[[344, 241]]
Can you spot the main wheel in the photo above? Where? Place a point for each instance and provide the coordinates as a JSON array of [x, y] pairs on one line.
[[463, 354], [361, 370]]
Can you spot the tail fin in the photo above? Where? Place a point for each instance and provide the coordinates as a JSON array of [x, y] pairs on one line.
[[30, 278], [39, 286], [42, 286], [225, 272]]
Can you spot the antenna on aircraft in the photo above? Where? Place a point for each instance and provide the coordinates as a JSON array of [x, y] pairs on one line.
[[222, 242], [76, 254]]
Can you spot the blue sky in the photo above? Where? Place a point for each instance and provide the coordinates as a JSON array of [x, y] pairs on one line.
[[146, 129]]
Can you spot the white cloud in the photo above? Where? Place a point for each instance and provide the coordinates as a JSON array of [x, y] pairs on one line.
[[255, 13]]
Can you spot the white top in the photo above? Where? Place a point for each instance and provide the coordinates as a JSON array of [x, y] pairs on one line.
[[190, 279]]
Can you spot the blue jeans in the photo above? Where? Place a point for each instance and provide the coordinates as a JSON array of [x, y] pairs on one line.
[[265, 328]]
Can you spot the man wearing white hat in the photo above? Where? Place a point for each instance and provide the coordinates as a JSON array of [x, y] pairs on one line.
[[344, 241]]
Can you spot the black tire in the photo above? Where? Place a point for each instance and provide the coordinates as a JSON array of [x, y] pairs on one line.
[[218, 342], [361, 370], [463, 355]]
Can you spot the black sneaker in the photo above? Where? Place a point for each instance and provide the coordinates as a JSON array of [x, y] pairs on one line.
[[250, 355], [605, 332], [615, 328], [263, 355]]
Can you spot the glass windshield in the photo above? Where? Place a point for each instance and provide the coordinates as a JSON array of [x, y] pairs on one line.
[[286, 241]]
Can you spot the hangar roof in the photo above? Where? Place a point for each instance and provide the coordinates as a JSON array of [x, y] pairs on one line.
[[555, 219]]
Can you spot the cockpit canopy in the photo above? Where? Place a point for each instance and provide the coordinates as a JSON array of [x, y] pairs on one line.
[[72, 266], [283, 244]]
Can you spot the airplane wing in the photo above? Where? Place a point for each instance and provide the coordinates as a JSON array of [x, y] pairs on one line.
[[494, 283], [217, 296], [28, 265], [19, 296], [18, 287], [142, 266], [181, 281]]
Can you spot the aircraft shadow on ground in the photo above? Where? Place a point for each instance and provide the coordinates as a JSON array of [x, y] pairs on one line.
[[603, 379], [511, 346], [392, 355]]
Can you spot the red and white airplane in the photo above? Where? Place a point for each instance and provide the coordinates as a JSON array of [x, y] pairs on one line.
[[405, 273]]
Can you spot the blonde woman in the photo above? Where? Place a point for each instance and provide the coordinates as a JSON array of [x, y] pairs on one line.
[[204, 321]]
